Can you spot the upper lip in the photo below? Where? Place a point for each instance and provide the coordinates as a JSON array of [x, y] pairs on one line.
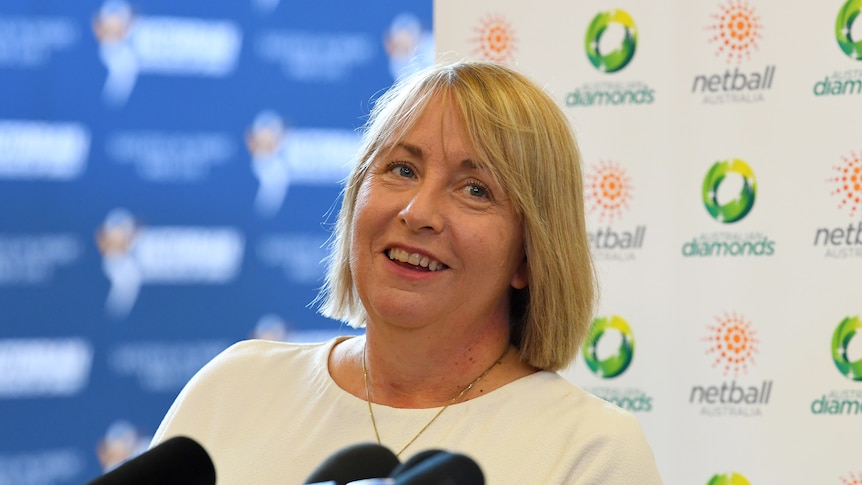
[[425, 257]]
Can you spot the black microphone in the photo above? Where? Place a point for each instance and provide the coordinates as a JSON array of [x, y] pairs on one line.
[[177, 461], [414, 460], [356, 462], [441, 468]]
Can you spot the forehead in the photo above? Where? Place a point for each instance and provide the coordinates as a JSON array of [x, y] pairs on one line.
[[437, 124]]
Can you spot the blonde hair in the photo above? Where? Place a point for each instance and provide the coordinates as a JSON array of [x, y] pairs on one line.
[[525, 140]]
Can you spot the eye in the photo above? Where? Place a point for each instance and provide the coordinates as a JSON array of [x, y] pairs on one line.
[[478, 189], [401, 169]]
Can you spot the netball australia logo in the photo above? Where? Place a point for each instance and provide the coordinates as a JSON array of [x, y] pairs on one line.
[[495, 39], [618, 55], [845, 186], [732, 478], [608, 351], [740, 202], [608, 192], [734, 33], [845, 332], [852, 479], [732, 344], [731, 347], [847, 16]]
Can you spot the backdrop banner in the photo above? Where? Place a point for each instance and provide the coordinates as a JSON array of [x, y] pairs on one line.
[[169, 173], [724, 193]]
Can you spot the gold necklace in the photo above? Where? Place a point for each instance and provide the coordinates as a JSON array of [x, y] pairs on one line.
[[453, 401]]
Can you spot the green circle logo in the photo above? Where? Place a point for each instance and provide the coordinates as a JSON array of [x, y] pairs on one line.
[[728, 479], [844, 333], [615, 364], [619, 57], [737, 208], [843, 26]]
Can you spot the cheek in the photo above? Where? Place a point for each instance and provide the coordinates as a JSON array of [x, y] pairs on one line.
[[368, 221]]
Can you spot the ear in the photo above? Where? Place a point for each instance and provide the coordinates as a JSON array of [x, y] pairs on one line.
[[522, 275]]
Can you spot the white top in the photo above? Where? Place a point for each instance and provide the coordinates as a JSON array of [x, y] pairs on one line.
[[270, 413]]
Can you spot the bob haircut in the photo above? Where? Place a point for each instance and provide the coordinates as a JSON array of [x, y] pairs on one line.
[[525, 140]]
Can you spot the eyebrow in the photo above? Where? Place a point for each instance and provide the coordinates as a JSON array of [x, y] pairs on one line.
[[467, 163], [412, 149]]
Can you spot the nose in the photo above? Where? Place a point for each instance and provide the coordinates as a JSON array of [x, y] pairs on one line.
[[423, 210]]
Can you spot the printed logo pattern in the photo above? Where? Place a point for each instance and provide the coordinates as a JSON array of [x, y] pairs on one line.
[[847, 183], [735, 31], [841, 338], [852, 479], [732, 344], [847, 15], [622, 55], [608, 191], [732, 478], [738, 207], [617, 363], [495, 39]]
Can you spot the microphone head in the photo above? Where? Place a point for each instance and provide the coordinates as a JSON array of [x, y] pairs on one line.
[[415, 460], [355, 462], [442, 468], [177, 461]]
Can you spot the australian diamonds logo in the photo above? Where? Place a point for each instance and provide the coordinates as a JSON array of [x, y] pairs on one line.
[[847, 357], [735, 34], [732, 346], [731, 478], [608, 352], [608, 194], [847, 79], [610, 44], [729, 190], [845, 187], [844, 334]]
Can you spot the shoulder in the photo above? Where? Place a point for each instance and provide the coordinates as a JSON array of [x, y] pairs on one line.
[[588, 439], [612, 439], [585, 413], [249, 363], [263, 352], [248, 373]]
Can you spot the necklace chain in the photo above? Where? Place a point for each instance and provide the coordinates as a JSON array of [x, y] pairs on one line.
[[437, 415]]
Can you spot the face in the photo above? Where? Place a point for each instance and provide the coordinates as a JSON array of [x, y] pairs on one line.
[[435, 238]]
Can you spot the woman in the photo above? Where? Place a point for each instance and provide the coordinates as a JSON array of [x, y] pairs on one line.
[[461, 247]]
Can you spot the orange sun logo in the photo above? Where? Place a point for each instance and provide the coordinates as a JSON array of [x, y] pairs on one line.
[[732, 344], [735, 31], [495, 39], [847, 184], [852, 479], [608, 191]]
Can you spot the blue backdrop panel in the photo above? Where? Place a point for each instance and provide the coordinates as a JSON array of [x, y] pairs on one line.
[[168, 171]]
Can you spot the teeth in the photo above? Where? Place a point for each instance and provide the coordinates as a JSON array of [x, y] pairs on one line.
[[415, 259]]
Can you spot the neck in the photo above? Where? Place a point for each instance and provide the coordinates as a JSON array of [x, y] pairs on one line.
[[411, 372]]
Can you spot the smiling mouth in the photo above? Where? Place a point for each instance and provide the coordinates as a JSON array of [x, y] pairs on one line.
[[416, 260]]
